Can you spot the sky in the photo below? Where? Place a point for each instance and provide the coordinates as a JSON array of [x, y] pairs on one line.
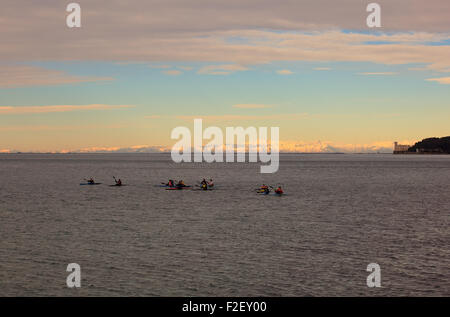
[[135, 70]]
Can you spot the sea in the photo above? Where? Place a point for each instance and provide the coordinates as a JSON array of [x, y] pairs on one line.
[[340, 213]]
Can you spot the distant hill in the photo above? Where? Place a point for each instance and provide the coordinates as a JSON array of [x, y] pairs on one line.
[[432, 145]]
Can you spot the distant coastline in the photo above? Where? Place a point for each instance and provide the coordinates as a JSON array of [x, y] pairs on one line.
[[426, 146], [121, 153]]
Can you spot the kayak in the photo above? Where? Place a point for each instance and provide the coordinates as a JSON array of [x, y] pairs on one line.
[[82, 184], [270, 193], [201, 186], [178, 188], [117, 185]]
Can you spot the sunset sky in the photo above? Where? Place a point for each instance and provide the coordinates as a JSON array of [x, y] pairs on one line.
[[137, 69]]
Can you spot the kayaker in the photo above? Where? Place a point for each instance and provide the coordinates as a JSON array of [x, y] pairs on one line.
[[119, 182], [264, 187], [279, 191], [210, 183], [91, 181], [171, 183], [203, 182], [181, 184]]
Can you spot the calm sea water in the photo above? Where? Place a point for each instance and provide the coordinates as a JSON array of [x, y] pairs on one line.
[[341, 212]]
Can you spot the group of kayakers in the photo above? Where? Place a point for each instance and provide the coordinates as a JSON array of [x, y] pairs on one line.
[[91, 181], [204, 184], [208, 185], [172, 183], [264, 189]]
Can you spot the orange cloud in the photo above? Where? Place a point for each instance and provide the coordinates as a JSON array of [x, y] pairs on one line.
[[186, 68], [37, 128], [251, 106], [284, 72], [225, 69], [334, 147], [284, 146], [153, 117], [160, 66], [442, 80], [172, 72], [14, 76], [378, 73], [117, 149], [230, 117], [58, 108]]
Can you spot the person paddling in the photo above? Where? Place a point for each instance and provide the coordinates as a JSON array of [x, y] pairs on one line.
[[279, 191], [210, 183], [91, 181], [118, 182]]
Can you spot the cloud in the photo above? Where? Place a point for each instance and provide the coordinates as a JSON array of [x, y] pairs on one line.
[[160, 66], [257, 46], [14, 76], [5, 151], [378, 74], [152, 117], [230, 117], [251, 106], [153, 16], [225, 69], [442, 80], [39, 128], [186, 68], [117, 149], [172, 72], [285, 147], [418, 69], [57, 108], [228, 32], [334, 147], [284, 72], [322, 68]]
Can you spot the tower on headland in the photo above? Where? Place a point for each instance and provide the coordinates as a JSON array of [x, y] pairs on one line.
[[400, 148]]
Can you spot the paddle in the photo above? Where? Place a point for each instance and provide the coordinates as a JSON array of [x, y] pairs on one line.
[[117, 183]]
